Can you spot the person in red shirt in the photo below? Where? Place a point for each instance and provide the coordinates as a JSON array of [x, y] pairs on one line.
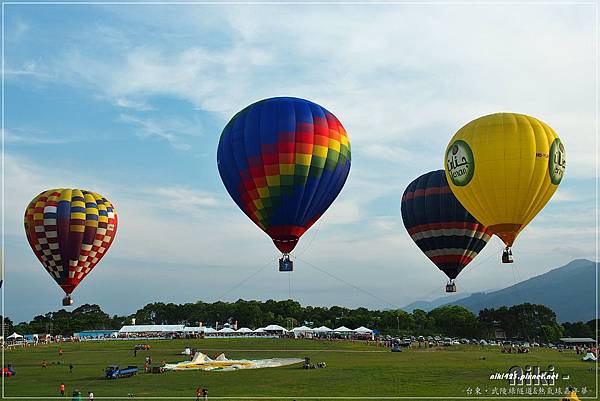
[[62, 389]]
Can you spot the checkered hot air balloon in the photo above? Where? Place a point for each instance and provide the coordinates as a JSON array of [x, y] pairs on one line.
[[440, 226], [70, 230], [283, 161]]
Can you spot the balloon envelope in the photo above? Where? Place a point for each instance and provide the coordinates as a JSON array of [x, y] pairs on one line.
[[283, 161], [440, 226], [504, 168], [70, 230]]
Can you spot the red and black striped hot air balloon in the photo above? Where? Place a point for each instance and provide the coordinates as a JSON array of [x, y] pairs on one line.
[[440, 226], [70, 230]]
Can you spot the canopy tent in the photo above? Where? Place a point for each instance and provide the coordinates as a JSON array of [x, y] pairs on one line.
[[343, 329], [322, 329], [260, 330], [226, 330], [194, 329], [302, 329], [14, 336], [578, 340], [275, 327], [363, 329], [244, 330], [152, 328], [364, 332], [210, 330]]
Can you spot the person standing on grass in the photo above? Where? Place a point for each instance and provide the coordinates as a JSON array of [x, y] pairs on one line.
[[198, 393], [205, 393], [62, 389], [70, 368], [90, 396], [60, 351]]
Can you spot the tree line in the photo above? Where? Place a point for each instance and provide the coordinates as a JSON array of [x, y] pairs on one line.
[[525, 321]]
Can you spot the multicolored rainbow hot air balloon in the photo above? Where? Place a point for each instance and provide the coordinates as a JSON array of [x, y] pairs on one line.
[[504, 168], [283, 161], [70, 230], [440, 226]]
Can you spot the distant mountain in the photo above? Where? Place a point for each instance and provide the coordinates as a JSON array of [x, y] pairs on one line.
[[430, 305], [568, 290]]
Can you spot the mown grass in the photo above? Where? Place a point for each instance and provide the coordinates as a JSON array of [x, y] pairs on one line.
[[353, 370]]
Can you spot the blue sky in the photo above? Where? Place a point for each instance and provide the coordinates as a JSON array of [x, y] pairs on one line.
[[130, 100]]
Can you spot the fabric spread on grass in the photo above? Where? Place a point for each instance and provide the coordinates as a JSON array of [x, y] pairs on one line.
[[221, 363], [590, 357]]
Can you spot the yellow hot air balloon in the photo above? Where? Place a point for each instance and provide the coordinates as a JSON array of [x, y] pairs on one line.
[[504, 168]]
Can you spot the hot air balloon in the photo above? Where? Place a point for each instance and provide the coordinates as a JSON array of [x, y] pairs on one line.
[[70, 230], [284, 160], [504, 168], [440, 226]]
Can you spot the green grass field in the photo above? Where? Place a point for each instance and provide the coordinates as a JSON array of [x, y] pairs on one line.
[[353, 370]]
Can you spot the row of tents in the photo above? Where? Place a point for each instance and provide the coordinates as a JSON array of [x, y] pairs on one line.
[[270, 330]]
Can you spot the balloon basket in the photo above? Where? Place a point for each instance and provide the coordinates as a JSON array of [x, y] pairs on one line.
[[67, 301], [285, 264], [507, 256], [451, 287]]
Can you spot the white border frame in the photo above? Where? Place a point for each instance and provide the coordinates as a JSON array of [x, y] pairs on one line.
[[596, 3]]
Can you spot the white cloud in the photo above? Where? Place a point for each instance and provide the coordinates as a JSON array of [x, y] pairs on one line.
[[133, 104], [29, 70], [185, 199], [563, 195], [171, 130], [32, 137], [394, 74]]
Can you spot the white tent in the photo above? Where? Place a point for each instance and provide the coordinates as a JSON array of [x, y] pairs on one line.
[[260, 330], [363, 329], [275, 327], [343, 329], [14, 336], [243, 330], [152, 328], [194, 329], [226, 330], [302, 331], [322, 329]]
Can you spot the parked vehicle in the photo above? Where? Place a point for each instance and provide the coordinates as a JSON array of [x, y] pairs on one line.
[[396, 348], [114, 372]]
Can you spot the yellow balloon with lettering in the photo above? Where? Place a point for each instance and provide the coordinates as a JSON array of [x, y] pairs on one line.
[[504, 168]]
